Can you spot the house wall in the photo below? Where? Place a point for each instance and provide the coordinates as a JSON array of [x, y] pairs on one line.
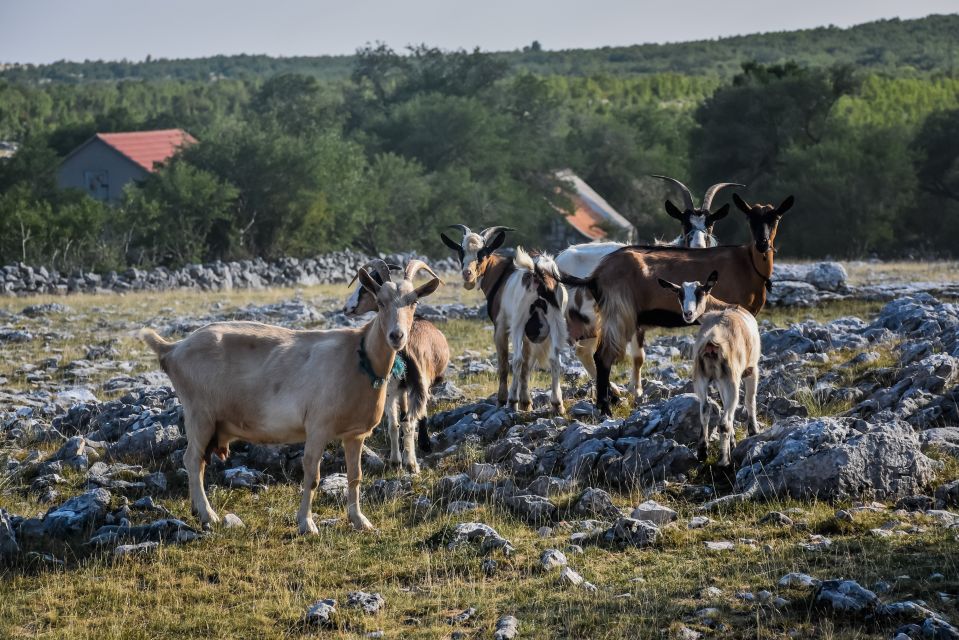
[[99, 158]]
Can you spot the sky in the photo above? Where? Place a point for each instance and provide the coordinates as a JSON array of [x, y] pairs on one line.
[[41, 31]]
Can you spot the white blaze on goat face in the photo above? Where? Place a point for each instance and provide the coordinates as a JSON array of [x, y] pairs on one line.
[[693, 301], [698, 237], [472, 245]]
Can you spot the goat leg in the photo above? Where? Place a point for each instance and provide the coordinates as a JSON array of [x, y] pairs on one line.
[[353, 449]]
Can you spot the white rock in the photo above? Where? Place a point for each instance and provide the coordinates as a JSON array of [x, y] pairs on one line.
[[232, 521], [654, 512]]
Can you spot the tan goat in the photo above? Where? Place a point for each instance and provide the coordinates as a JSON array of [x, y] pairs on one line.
[[270, 385], [726, 352], [426, 355]]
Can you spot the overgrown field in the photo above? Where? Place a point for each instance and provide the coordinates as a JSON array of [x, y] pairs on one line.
[[257, 581]]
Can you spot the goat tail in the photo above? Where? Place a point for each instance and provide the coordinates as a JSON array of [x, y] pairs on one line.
[[417, 389], [617, 321], [153, 339], [523, 260]]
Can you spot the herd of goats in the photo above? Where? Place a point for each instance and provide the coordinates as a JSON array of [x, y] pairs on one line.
[[270, 385]]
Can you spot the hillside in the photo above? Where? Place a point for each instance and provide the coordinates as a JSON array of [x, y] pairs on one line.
[[894, 46]]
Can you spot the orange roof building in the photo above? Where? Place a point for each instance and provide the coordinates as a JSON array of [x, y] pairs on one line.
[[591, 216], [103, 165]]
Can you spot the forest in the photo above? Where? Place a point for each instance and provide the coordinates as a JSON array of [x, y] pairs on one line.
[[379, 150]]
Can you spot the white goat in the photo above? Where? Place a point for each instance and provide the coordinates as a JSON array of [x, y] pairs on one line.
[[726, 352], [426, 355], [265, 384]]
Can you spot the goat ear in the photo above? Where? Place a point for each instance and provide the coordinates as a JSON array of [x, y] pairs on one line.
[[785, 206], [713, 218], [711, 281], [427, 288], [741, 204], [673, 211], [458, 248], [496, 242], [368, 282], [666, 284]]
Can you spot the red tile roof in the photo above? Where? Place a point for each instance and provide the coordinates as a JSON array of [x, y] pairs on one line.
[[146, 148], [591, 214]]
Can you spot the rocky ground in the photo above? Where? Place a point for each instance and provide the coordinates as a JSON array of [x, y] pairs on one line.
[[839, 520]]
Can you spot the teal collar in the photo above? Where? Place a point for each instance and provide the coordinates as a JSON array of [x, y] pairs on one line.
[[398, 372]]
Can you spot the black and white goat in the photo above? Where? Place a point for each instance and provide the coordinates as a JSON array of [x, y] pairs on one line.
[[527, 305], [697, 222], [426, 357], [726, 353]]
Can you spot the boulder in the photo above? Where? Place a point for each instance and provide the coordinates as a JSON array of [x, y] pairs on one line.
[[833, 459], [8, 538], [652, 511], [596, 503], [77, 515], [847, 596], [148, 443]]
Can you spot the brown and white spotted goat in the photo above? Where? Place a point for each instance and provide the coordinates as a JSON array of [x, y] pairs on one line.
[[271, 385], [426, 356], [527, 306]]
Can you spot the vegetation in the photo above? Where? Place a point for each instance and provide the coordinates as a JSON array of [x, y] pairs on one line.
[[900, 46], [382, 152]]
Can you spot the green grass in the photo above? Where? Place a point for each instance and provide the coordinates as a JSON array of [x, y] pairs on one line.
[[257, 582]]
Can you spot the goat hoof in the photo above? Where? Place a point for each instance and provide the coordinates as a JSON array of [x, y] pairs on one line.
[[413, 469], [360, 523], [559, 409], [526, 406], [308, 528], [393, 464]]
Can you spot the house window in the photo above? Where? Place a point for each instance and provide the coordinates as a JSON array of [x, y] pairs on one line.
[[98, 184]]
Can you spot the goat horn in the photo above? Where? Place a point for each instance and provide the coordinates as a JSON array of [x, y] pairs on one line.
[[489, 231], [462, 227], [713, 190], [687, 195], [378, 265], [414, 266]]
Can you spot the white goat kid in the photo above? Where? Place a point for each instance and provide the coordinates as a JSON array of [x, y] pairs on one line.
[[271, 385], [726, 353]]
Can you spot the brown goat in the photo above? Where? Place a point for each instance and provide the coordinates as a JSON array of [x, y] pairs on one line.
[[629, 298]]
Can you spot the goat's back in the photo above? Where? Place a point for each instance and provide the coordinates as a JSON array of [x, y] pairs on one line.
[[735, 334], [634, 273], [264, 379], [428, 346]]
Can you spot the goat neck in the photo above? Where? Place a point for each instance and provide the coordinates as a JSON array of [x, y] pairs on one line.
[[762, 263], [378, 350], [496, 270]]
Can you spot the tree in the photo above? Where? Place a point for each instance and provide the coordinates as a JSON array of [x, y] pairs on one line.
[[172, 215], [745, 127]]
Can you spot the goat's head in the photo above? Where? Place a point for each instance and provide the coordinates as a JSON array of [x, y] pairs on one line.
[[763, 220], [396, 301], [697, 222], [692, 295], [475, 250], [361, 300]]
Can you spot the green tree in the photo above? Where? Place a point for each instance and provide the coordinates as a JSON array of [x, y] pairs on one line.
[[172, 215]]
